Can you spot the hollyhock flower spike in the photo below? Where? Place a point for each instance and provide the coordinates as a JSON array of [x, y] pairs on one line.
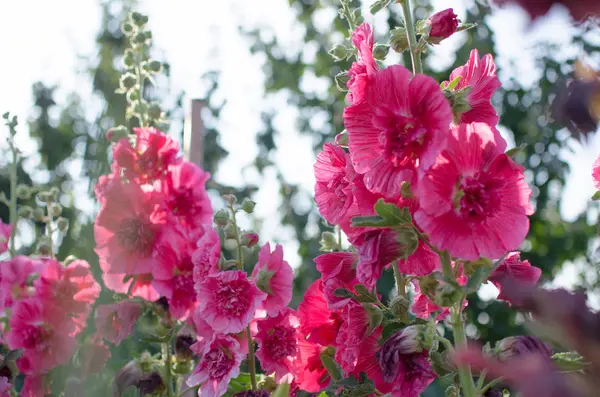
[[361, 71], [5, 232], [474, 201], [274, 276], [277, 340], [228, 301], [479, 75], [115, 322], [218, 365], [517, 270], [127, 229], [399, 128], [443, 24]]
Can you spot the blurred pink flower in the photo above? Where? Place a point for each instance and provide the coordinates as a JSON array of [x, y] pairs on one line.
[[115, 322], [517, 270], [274, 276], [5, 232], [443, 25]]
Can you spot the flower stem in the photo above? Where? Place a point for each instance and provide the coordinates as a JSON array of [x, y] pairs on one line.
[[491, 384], [400, 280], [49, 230], [13, 199], [166, 351], [415, 56], [251, 363], [460, 340]]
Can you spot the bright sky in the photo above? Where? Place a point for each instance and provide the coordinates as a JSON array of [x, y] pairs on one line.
[[198, 36]]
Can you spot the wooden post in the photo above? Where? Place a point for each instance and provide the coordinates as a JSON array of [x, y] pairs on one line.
[[193, 134]]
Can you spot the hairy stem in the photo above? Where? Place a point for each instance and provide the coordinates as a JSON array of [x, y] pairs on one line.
[[13, 199], [415, 56], [49, 229], [460, 340], [400, 280], [166, 351]]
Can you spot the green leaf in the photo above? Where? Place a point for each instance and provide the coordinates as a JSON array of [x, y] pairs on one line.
[[390, 329], [392, 214], [465, 26], [378, 6], [13, 355], [516, 150], [475, 281], [451, 85], [596, 196], [569, 361], [370, 221]]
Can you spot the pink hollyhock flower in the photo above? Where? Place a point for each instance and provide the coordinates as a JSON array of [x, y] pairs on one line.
[[121, 283], [340, 265], [376, 250], [127, 228], [43, 334], [5, 232], [443, 25], [409, 374], [474, 201], [317, 323], [13, 279], [35, 386], [274, 276], [480, 76], [399, 128], [517, 270], [350, 336], [114, 322], [421, 263], [218, 365], [71, 289], [596, 172], [423, 307], [153, 153], [277, 340], [206, 256], [365, 66], [367, 361], [173, 274], [333, 187], [228, 301], [186, 197], [204, 333], [4, 387], [93, 357], [311, 374], [103, 186]]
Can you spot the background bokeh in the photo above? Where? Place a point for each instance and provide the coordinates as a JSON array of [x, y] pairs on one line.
[[267, 79]]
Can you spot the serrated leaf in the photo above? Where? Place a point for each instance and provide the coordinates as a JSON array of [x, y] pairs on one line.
[[390, 329], [370, 221], [378, 6], [569, 361], [596, 196], [392, 214]]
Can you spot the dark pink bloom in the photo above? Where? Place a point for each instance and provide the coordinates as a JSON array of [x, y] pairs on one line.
[[121, 283], [367, 361], [365, 66], [172, 276], [409, 374], [217, 367], [35, 386], [206, 256], [350, 336], [474, 201], [333, 187], [228, 301], [423, 307], [596, 172], [5, 232], [43, 334], [480, 76], [579, 9], [153, 153], [127, 228], [338, 270], [278, 343], [443, 25], [114, 322], [376, 250], [204, 333], [93, 356], [71, 289], [312, 376], [399, 128], [186, 197], [13, 279], [317, 323], [517, 270], [274, 276], [4, 387]]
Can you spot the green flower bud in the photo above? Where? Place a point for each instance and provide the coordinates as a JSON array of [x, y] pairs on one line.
[[43, 246], [230, 231], [154, 111], [357, 16], [380, 51], [328, 242], [128, 81], [26, 212], [155, 66], [62, 224], [341, 81], [428, 284], [141, 107], [399, 307], [138, 19], [447, 295], [140, 38], [55, 209], [129, 58], [54, 192], [45, 196], [23, 191], [39, 214], [248, 205], [230, 244], [128, 28], [338, 52], [399, 40], [221, 217]]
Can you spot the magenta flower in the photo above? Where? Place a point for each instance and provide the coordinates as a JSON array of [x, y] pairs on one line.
[[410, 374], [278, 344], [318, 324], [206, 256], [127, 228], [515, 269], [13, 279], [43, 333], [274, 276], [399, 128], [443, 25], [186, 197], [365, 66], [5, 232], [4, 387], [474, 201], [480, 76], [338, 270], [376, 250], [312, 376], [218, 365], [350, 336], [595, 173], [114, 322], [204, 333], [228, 301], [121, 283]]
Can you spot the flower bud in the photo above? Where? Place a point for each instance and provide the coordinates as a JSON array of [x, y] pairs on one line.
[[129, 58], [55, 209], [249, 239], [328, 241], [230, 199], [23, 191], [62, 224], [517, 346], [150, 383], [27, 212], [183, 352], [380, 51], [43, 246], [446, 295], [128, 28], [341, 81], [357, 17], [399, 40], [133, 96], [155, 66], [338, 52], [154, 111], [128, 81], [138, 19], [442, 25], [399, 307], [45, 196], [248, 205], [39, 214], [221, 217], [115, 134], [230, 231], [404, 342], [230, 244]]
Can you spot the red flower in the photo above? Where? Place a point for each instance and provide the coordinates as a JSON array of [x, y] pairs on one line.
[[515, 269], [350, 336], [474, 201], [338, 270], [312, 376], [376, 250], [317, 323], [278, 343], [443, 25], [398, 129]]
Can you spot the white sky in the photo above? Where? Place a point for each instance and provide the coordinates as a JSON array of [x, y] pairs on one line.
[[42, 40]]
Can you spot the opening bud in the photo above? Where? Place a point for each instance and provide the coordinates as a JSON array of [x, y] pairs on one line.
[[399, 40], [441, 25], [380, 51], [518, 346], [230, 199], [23, 191], [399, 307], [248, 205], [339, 52], [62, 224], [221, 217], [249, 239], [341, 81], [27, 212], [115, 134]]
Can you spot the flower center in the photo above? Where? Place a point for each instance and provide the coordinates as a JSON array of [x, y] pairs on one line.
[[281, 343], [232, 298], [338, 185], [218, 364], [472, 198], [37, 337], [136, 236], [183, 203], [401, 139]]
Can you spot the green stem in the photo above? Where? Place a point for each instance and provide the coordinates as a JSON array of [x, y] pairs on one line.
[[424, 239], [240, 254], [348, 15], [400, 280], [490, 385], [49, 229], [460, 340], [13, 200], [166, 351], [415, 56], [186, 390]]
